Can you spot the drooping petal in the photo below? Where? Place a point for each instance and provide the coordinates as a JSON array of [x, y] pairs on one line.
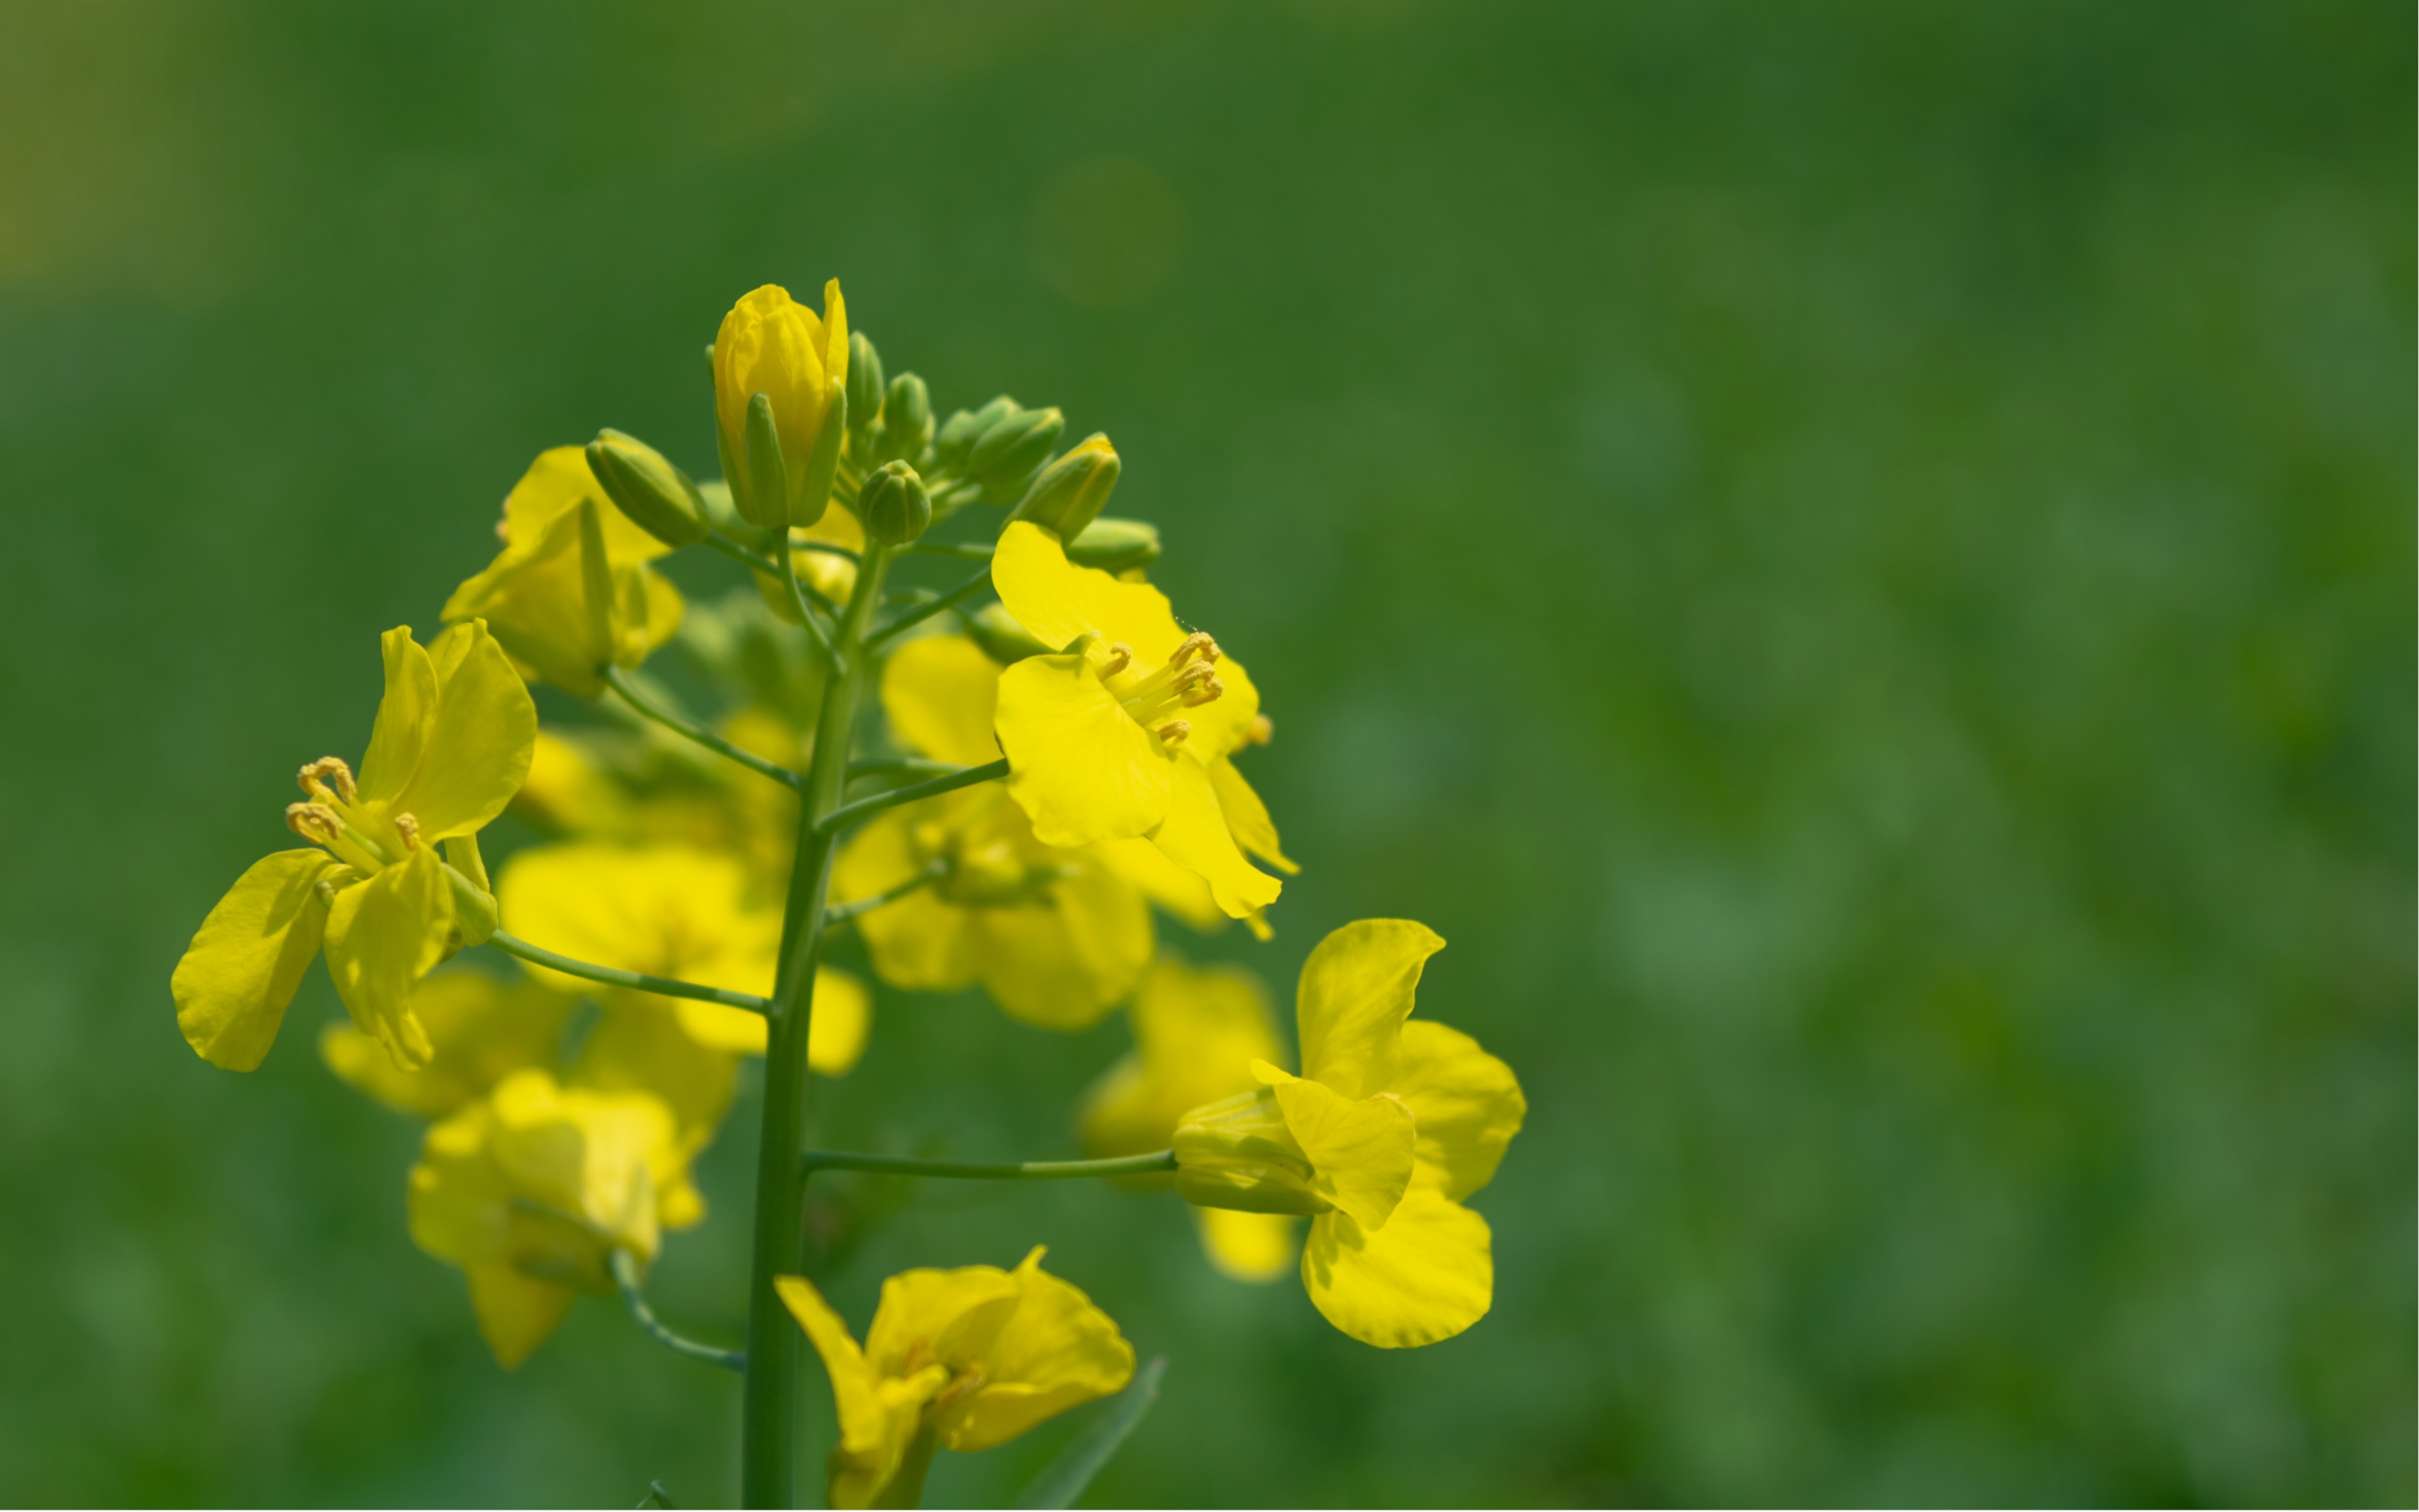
[[241, 971], [1247, 817], [553, 486], [1057, 602], [1258, 1247], [1468, 1103], [1055, 1351], [844, 1014], [404, 712], [1426, 1277], [876, 1424], [1223, 726], [941, 693], [1195, 836], [1360, 1152], [480, 735], [1181, 893], [1078, 764], [383, 936], [551, 607], [647, 612], [482, 1029], [517, 1312], [1067, 959], [457, 1203], [1356, 990], [670, 911]]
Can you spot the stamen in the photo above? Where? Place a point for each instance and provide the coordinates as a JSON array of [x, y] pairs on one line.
[[1209, 692], [1175, 731], [1262, 731], [314, 822], [1120, 657], [1192, 676], [407, 827], [1197, 643], [313, 780]]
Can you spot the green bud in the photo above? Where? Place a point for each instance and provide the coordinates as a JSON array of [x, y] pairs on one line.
[[762, 485], [1005, 456], [813, 493], [1238, 1153], [1066, 495], [864, 382], [1115, 545], [959, 431], [657, 497], [894, 506], [1001, 637], [906, 419]]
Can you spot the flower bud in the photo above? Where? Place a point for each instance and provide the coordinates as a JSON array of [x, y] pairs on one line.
[[657, 497], [894, 506], [1005, 457], [773, 348], [906, 419], [959, 431], [1000, 636], [1115, 545], [1067, 494], [864, 382], [1238, 1153]]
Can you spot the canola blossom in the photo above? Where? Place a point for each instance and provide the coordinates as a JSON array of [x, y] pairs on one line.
[[938, 729]]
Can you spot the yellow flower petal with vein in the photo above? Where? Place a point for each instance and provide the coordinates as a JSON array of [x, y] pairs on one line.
[[940, 694], [1361, 1149], [1357, 988], [241, 971], [516, 1313], [480, 736], [1468, 1103], [878, 1414], [553, 486], [1057, 602], [1426, 1277], [401, 732], [1195, 835], [1055, 1351], [482, 1029], [383, 936], [1247, 817], [1080, 765]]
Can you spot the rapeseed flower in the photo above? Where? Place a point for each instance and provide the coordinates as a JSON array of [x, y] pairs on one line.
[[451, 743], [772, 346], [1114, 734], [1196, 1032], [1390, 1126], [483, 1031], [1055, 936], [965, 1360]]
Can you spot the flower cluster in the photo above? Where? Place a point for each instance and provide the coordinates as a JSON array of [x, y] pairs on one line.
[[1051, 773]]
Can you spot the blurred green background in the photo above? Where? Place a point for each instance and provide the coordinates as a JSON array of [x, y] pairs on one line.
[[1855, 561]]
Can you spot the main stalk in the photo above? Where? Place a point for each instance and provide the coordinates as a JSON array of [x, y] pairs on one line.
[[769, 1414]]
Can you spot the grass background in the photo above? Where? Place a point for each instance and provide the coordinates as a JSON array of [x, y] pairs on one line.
[[1855, 562]]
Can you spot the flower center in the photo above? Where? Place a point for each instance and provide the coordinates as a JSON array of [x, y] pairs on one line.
[[362, 835], [1155, 696]]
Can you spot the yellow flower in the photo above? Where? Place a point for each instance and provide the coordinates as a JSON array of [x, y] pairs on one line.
[[451, 743], [1114, 736], [964, 1360], [771, 345], [482, 1029], [1055, 936], [1196, 1032], [531, 1190], [1390, 1126], [571, 593]]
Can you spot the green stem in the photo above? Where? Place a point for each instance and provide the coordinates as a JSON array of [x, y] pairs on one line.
[[829, 548], [950, 548], [619, 681], [932, 606], [798, 591], [613, 976], [769, 1407], [840, 913], [626, 1277], [901, 766], [738, 553], [980, 1170], [841, 818]]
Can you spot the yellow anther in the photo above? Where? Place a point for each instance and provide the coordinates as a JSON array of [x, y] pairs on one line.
[[315, 777], [407, 827], [968, 1380], [1263, 731], [314, 822], [1175, 731], [1120, 657], [1197, 643], [1208, 693]]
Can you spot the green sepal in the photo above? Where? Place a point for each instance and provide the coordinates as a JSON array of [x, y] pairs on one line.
[[764, 502], [813, 493]]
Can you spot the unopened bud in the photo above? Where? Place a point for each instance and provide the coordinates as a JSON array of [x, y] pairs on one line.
[[906, 419], [864, 381], [1006, 457], [644, 484], [1067, 494], [960, 431], [1238, 1153], [894, 505], [1001, 637], [1115, 545]]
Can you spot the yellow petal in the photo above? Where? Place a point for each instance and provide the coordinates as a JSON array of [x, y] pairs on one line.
[[1121, 1113], [553, 486], [401, 732], [940, 693], [1055, 1351], [1258, 1247], [772, 346], [934, 1315], [482, 1029], [565, 789], [1195, 837], [641, 1043], [552, 606], [876, 1425], [1078, 764], [667, 910], [1468, 1103], [1223, 726], [647, 612], [1357, 988], [1181, 893], [1360, 1152], [238, 975], [920, 942], [516, 1313], [843, 1013], [1247, 817], [1196, 1030], [1426, 1277], [597, 1156], [1057, 602], [481, 733], [458, 1205], [383, 936], [1065, 962]]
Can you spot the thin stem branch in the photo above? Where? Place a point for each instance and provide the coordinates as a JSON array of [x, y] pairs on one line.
[[930, 607], [740, 554], [950, 548], [798, 591], [848, 814], [619, 681], [829, 548], [989, 1171], [625, 1276], [613, 976], [840, 913], [899, 766]]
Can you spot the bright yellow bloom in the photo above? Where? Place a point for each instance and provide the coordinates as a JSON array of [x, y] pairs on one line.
[[451, 745], [964, 1360], [571, 593], [1116, 734], [770, 345], [1055, 936], [531, 1190], [1390, 1126], [1196, 1032], [482, 1029]]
